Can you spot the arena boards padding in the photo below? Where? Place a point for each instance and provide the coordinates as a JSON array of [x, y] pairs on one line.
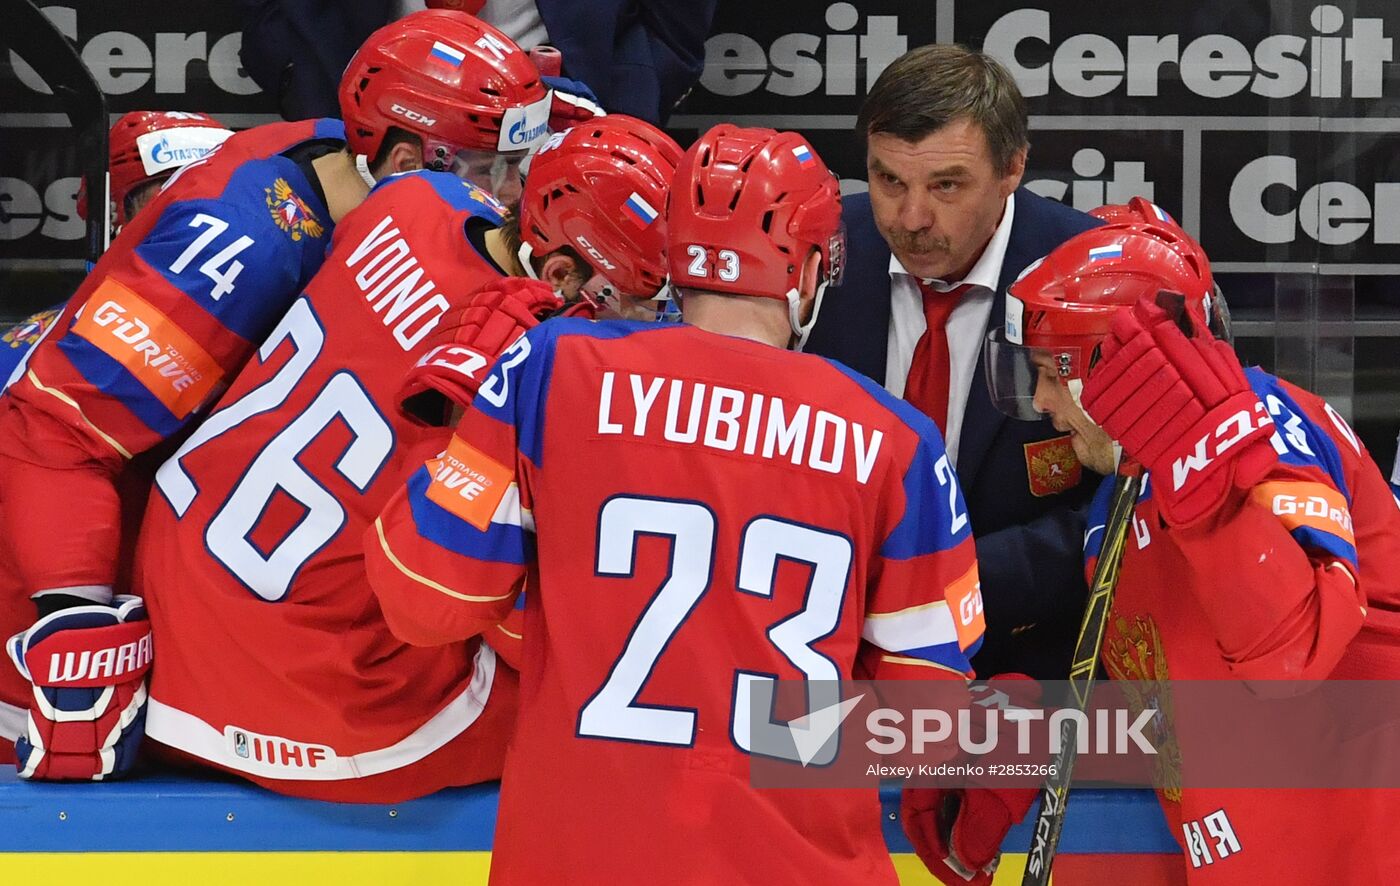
[[208, 832]]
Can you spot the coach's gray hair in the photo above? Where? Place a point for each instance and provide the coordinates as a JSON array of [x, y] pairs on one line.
[[930, 86]]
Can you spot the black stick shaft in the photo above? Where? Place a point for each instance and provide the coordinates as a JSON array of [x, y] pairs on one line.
[[1054, 794]]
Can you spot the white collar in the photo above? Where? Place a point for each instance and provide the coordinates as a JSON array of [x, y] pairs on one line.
[[987, 272]]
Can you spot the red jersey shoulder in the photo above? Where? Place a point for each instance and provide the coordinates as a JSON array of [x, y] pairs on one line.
[[209, 176], [405, 255]]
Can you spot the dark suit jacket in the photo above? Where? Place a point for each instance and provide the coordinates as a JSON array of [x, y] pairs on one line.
[[296, 50], [639, 56], [1029, 547]]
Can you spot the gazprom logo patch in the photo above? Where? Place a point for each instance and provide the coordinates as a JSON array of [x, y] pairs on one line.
[[519, 135], [170, 148], [523, 129], [1015, 312]]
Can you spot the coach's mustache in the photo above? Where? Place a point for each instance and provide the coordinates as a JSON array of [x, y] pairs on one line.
[[919, 242]]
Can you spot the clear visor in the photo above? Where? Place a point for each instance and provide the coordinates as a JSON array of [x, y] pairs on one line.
[[1015, 371], [497, 173]]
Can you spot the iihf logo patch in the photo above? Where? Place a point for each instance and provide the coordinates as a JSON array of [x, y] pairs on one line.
[[487, 199], [240, 744], [290, 212]]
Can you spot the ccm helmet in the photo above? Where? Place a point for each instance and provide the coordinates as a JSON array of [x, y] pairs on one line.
[[454, 81], [747, 208], [600, 188], [1060, 308]]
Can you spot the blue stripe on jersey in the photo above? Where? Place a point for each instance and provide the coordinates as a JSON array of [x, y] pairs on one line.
[[925, 527], [498, 544], [946, 654], [264, 276], [460, 195], [1320, 540], [903, 409], [1097, 518], [113, 379], [330, 127], [249, 288], [927, 521], [1307, 444], [517, 390]]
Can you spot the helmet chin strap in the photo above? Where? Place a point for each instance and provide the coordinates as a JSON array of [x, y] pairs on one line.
[[362, 167], [1076, 391], [794, 300], [525, 253]]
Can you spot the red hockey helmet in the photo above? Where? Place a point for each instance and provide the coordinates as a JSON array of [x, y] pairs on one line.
[[1059, 309], [453, 80], [747, 208], [145, 146], [1138, 210], [599, 188]]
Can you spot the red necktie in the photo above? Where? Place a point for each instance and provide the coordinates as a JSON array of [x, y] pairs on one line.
[[927, 385]]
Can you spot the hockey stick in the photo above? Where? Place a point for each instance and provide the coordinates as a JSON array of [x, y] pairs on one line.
[[1054, 794], [30, 34]]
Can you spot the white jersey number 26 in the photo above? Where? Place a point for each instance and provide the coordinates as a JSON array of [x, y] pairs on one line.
[[275, 467]]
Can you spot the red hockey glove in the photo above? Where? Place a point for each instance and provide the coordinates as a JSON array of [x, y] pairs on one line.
[[1179, 403], [468, 342], [573, 103], [957, 832], [88, 668]]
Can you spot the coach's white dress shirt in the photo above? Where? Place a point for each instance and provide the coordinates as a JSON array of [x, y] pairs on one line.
[[967, 325]]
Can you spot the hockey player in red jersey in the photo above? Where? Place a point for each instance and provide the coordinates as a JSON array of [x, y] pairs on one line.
[[706, 512], [1226, 576], [145, 148], [164, 322], [623, 242], [275, 662]]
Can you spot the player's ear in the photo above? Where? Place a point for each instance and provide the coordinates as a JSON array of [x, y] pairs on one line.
[[404, 157], [807, 285], [561, 272]]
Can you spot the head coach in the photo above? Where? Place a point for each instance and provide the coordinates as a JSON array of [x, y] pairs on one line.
[[945, 229]]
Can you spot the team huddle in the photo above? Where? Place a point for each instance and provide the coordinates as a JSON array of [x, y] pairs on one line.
[[371, 460]]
